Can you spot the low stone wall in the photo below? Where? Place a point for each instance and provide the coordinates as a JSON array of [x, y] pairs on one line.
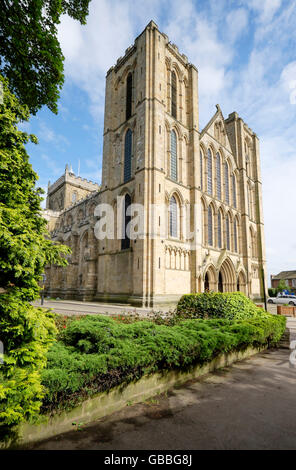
[[111, 401]]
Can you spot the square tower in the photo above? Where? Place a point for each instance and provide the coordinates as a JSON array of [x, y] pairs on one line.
[[150, 157]]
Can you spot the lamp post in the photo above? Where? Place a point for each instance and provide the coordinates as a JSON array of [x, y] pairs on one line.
[[264, 293], [43, 285]]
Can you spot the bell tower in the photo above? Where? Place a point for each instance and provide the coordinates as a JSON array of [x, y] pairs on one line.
[[151, 98]]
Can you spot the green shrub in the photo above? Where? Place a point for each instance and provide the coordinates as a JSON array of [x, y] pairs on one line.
[[272, 292], [217, 305], [96, 353]]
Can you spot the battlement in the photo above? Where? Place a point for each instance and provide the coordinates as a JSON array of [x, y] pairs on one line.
[[68, 190]]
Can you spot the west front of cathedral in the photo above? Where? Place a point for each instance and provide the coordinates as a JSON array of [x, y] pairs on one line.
[[154, 154]]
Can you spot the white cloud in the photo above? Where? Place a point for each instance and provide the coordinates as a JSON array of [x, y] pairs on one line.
[[236, 23], [48, 135], [51, 164], [90, 50], [257, 87], [266, 9]]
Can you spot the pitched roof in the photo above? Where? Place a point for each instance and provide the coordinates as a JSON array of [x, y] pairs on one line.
[[285, 275], [217, 113]]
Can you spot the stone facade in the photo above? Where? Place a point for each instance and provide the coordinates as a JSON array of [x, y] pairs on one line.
[[154, 152]]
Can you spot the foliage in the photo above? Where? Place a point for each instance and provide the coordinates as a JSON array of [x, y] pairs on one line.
[[24, 251], [96, 353], [282, 285], [30, 54], [272, 292], [217, 305]]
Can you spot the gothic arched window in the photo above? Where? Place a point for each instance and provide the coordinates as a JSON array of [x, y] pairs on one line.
[[128, 155], [210, 172], [174, 94], [174, 172], [129, 93], [218, 175], [219, 230], [201, 170], [226, 180], [235, 235], [173, 217], [227, 233], [125, 241], [234, 190], [210, 226]]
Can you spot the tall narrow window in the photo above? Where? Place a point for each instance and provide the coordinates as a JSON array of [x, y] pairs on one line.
[[201, 170], [218, 175], [235, 235], [174, 94], [125, 241], [210, 226], [234, 191], [128, 155], [174, 155], [129, 92], [250, 203], [227, 233], [219, 230], [226, 179], [252, 243], [210, 172], [173, 217]]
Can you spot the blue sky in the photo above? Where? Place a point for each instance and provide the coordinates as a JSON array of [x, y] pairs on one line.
[[245, 51]]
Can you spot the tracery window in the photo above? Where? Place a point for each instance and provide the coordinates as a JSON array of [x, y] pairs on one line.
[[173, 220], [210, 172], [174, 94], [129, 92], [125, 241], [128, 155], [235, 235], [226, 180], [210, 226], [201, 170], [218, 175], [174, 172], [219, 228], [227, 233], [234, 191]]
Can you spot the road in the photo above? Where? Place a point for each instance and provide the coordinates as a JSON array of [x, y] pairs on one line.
[[250, 405]]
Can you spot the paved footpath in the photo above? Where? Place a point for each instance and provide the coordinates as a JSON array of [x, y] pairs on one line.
[[73, 307], [76, 307], [250, 405]]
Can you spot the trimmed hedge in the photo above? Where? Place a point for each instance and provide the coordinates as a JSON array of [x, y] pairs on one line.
[[96, 353], [217, 305]]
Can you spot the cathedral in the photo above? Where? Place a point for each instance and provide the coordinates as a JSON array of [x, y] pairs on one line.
[[206, 232]]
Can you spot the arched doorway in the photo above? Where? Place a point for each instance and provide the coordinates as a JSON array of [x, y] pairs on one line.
[[228, 277], [220, 283], [210, 279], [241, 282], [207, 283]]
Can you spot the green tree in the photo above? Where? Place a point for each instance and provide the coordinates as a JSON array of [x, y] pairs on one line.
[[30, 53], [25, 249], [282, 286]]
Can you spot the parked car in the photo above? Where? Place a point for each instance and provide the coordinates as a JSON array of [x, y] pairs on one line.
[[283, 299]]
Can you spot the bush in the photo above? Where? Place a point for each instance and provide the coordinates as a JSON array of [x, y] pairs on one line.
[[97, 353], [217, 305]]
